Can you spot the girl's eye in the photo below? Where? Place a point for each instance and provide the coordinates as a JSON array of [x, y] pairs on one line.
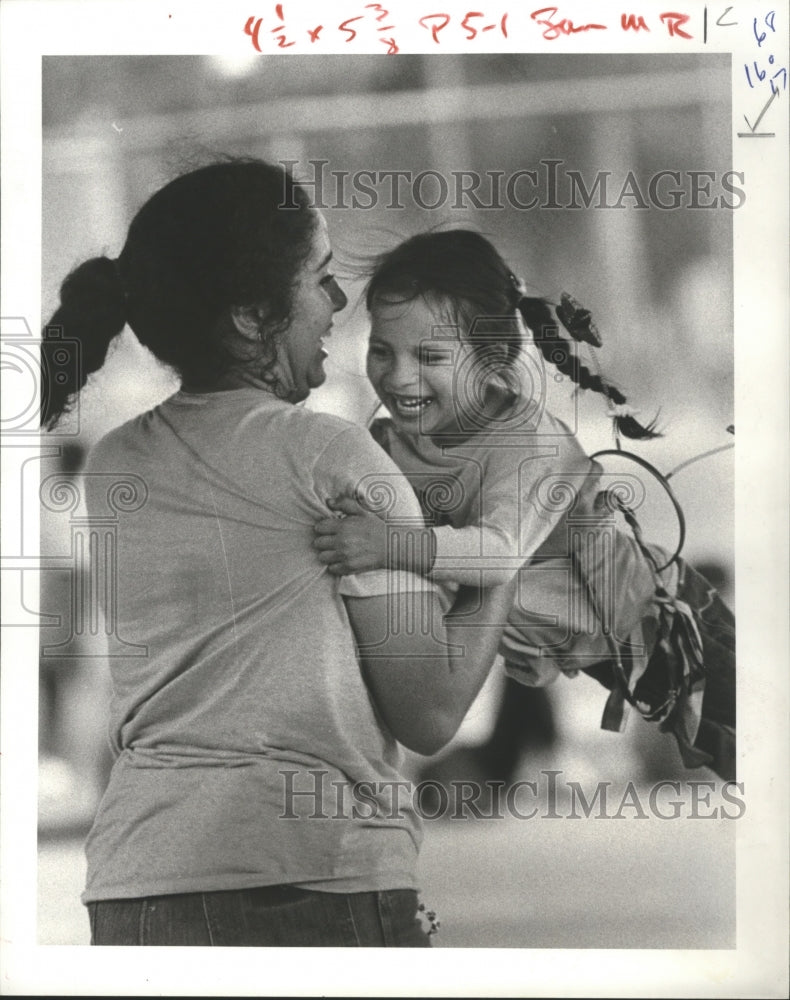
[[328, 279], [435, 358], [377, 351]]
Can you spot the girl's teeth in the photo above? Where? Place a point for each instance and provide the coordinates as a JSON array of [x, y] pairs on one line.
[[412, 404]]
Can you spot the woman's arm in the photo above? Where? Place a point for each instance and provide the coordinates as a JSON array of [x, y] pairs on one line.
[[424, 672]]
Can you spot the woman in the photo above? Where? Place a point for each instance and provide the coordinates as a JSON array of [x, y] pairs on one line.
[[245, 729]]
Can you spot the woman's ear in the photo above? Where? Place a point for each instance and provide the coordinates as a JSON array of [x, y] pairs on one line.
[[248, 321]]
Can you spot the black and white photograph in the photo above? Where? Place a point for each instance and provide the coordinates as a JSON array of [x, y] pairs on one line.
[[395, 429]]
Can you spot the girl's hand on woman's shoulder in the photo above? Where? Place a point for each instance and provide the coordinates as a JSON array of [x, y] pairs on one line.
[[351, 543]]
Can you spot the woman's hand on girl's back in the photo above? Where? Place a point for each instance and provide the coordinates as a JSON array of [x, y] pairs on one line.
[[353, 543]]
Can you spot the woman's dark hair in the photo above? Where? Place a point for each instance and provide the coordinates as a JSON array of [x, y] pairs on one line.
[[231, 234], [465, 268]]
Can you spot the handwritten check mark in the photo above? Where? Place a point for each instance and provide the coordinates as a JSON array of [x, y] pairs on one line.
[[753, 133], [117, 129]]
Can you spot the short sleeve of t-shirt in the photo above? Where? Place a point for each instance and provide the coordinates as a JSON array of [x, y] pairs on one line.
[[352, 464]]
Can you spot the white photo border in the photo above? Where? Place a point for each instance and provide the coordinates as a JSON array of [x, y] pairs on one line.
[[758, 965]]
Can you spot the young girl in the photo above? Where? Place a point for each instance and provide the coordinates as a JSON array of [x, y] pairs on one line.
[[506, 489]]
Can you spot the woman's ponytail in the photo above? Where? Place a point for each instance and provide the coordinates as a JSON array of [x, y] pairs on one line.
[[558, 351], [92, 313]]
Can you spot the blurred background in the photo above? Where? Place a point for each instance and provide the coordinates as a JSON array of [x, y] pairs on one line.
[[659, 284]]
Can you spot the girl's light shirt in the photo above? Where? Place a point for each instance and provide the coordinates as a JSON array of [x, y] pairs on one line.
[[518, 497], [238, 699], [489, 492]]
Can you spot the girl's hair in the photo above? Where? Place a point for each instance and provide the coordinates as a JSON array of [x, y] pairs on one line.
[[231, 234], [463, 267]]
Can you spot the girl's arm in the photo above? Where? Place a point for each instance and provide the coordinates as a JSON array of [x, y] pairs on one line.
[[524, 496], [424, 672], [359, 540]]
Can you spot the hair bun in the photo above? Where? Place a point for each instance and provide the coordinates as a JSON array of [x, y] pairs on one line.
[[96, 286]]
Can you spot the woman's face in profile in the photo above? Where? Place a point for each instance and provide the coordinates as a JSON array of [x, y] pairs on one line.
[[316, 298]]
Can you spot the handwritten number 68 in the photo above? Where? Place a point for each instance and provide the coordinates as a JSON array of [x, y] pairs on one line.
[[768, 20]]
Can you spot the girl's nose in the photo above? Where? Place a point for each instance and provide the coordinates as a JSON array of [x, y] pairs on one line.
[[403, 375]]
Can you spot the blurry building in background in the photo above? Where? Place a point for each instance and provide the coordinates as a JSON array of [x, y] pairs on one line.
[[658, 278], [627, 157]]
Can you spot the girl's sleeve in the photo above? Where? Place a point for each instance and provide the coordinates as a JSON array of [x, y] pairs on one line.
[[492, 549], [514, 521]]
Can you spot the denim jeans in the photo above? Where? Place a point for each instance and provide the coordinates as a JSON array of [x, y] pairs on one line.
[[273, 916]]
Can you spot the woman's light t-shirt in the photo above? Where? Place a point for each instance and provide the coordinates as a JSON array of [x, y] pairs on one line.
[[243, 725]]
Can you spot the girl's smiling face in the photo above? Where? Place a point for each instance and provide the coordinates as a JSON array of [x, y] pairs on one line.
[[412, 365]]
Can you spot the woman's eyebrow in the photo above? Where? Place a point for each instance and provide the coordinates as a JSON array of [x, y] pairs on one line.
[[325, 261]]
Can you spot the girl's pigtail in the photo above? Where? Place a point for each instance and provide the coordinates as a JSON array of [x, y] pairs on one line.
[[628, 426], [559, 351], [92, 313]]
